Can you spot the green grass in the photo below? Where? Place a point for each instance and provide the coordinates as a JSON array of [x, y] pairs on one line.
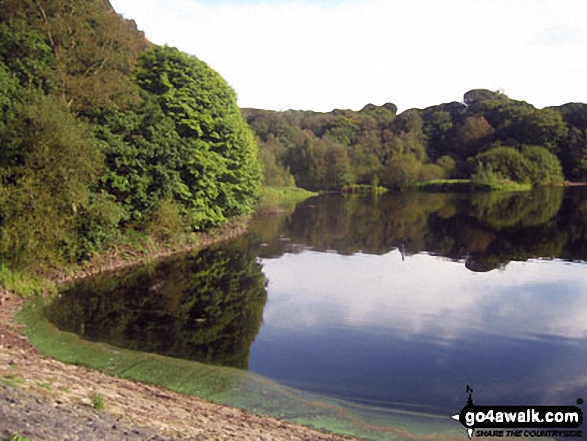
[[44, 385], [24, 285], [464, 185], [98, 402], [12, 380], [16, 437], [272, 197], [510, 186]]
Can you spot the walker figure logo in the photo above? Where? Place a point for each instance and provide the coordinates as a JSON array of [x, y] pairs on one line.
[[517, 421]]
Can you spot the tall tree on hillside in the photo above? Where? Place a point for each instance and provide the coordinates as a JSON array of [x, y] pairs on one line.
[[217, 164], [95, 49]]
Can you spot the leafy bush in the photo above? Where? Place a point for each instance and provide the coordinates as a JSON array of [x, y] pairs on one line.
[[165, 221], [545, 167], [211, 170], [505, 162], [49, 166], [535, 165]]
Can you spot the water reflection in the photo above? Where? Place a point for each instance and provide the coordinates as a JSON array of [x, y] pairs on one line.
[[400, 303], [383, 330], [485, 230], [207, 307], [397, 301]]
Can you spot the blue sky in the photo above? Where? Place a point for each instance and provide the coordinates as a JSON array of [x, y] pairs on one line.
[[326, 54]]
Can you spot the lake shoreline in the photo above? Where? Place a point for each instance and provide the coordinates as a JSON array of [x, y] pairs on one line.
[[41, 396]]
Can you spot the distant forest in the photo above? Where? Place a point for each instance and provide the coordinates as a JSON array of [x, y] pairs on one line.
[[487, 137]]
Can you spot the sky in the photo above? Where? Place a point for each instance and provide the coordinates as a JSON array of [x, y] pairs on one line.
[[326, 54]]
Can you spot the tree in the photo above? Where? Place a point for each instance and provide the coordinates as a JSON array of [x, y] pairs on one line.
[[545, 168], [94, 48], [220, 176], [274, 172], [474, 134], [401, 171], [447, 163], [507, 162], [143, 156], [27, 55], [53, 161], [573, 149], [437, 127], [343, 130], [523, 124], [482, 102]]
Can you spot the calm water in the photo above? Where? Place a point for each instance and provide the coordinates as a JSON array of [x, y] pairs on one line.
[[398, 301]]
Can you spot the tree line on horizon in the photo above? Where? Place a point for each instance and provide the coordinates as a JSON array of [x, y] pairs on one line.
[[487, 137]]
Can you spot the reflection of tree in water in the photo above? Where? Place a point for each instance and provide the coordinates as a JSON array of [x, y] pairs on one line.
[[487, 230], [574, 212], [496, 228], [363, 224], [502, 210], [206, 307]]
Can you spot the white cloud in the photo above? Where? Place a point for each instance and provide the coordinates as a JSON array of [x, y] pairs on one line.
[[414, 53], [425, 295]]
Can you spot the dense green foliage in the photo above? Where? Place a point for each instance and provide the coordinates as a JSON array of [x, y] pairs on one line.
[[84, 48], [102, 133], [488, 136], [219, 173], [185, 142]]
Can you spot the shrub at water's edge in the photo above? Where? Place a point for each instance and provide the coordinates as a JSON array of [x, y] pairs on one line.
[[275, 197], [467, 185]]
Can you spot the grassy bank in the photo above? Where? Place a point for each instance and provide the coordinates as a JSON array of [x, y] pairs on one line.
[[132, 250], [364, 189], [136, 247], [272, 198], [24, 284], [465, 185]]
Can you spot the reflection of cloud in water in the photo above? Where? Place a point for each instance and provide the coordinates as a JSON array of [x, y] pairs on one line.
[[426, 295]]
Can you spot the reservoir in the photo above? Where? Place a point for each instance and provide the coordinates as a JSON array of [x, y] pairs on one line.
[[391, 302]]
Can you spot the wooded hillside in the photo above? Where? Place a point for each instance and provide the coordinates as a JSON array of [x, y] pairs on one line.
[[103, 134], [488, 136]]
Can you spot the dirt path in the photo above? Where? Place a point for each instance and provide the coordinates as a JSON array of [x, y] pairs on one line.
[[43, 399]]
